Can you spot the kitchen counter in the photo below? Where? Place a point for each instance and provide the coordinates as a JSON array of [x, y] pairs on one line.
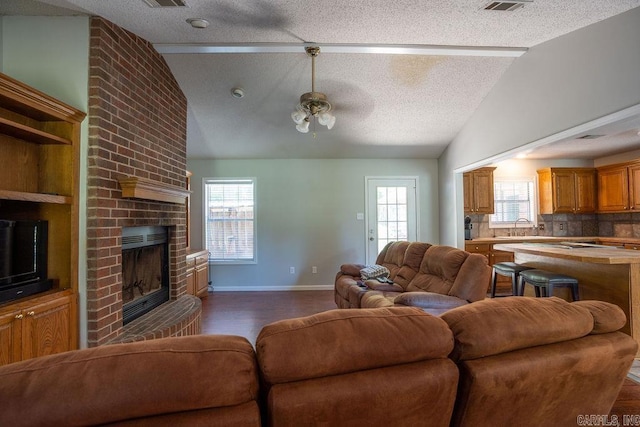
[[591, 253], [604, 273], [592, 239]]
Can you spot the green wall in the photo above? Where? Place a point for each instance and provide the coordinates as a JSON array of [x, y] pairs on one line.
[[306, 216]]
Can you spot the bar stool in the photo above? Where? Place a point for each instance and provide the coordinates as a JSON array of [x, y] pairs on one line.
[[546, 280], [509, 269]]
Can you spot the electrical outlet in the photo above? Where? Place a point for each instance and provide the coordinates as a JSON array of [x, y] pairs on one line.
[[541, 227], [314, 269], [561, 226], [292, 270]]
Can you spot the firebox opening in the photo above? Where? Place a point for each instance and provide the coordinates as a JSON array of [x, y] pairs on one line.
[[145, 270]]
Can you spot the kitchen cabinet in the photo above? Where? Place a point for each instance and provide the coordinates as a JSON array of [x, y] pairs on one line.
[[619, 187], [567, 190], [198, 273], [38, 326], [494, 256], [478, 191]]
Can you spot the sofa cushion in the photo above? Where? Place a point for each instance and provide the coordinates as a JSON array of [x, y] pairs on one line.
[[376, 285], [411, 263], [296, 349], [501, 325], [607, 317], [112, 383], [429, 300], [392, 256]]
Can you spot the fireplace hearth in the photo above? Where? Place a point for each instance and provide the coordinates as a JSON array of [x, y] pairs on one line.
[[145, 270]]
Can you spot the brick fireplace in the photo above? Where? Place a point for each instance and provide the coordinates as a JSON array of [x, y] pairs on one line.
[[137, 129]]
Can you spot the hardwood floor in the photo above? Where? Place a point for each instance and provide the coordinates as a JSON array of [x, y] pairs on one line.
[[245, 313]]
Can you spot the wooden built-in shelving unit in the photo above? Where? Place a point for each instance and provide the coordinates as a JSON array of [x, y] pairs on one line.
[[39, 167]]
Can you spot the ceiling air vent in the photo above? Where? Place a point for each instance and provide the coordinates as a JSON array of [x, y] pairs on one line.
[[590, 136], [166, 3], [507, 6]]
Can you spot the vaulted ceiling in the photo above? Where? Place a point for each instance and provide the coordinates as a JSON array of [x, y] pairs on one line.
[[394, 89]]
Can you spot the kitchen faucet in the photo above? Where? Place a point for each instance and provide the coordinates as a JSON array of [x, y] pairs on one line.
[[515, 225]]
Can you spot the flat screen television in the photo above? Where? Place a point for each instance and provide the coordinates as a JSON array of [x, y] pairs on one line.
[[23, 259]]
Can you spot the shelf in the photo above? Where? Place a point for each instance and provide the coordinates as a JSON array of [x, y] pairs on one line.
[[141, 188], [35, 197], [20, 131]]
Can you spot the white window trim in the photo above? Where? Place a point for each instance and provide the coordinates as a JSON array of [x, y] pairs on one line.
[[207, 180], [534, 203]]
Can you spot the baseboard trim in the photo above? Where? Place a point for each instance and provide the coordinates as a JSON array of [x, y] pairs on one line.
[[240, 288]]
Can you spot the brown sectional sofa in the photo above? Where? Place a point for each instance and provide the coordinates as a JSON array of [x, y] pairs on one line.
[[435, 278], [509, 361]]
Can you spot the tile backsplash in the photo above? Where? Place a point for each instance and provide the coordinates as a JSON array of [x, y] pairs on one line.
[[569, 225]]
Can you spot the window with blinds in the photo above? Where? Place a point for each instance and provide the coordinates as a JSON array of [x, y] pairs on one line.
[[514, 198], [230, 227]]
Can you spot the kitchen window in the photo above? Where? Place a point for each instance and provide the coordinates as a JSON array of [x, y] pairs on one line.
[[514, 200], [230, 225]]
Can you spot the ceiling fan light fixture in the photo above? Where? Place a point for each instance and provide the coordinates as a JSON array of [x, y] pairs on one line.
[[303, 127], [313, 104]]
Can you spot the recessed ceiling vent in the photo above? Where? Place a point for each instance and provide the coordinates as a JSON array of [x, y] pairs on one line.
[[166, 3], [590, 136], [506, 6]]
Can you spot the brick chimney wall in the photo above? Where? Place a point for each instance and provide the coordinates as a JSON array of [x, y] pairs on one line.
[[137, 128]]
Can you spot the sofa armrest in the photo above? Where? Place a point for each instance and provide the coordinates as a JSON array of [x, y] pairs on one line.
[[351, 269]]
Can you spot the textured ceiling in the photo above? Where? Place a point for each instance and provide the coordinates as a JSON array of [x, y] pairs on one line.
[[386, 105]]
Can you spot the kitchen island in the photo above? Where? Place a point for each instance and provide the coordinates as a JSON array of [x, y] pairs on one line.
[[604, 273]]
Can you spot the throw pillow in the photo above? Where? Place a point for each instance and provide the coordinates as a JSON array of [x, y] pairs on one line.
[[374, 271]]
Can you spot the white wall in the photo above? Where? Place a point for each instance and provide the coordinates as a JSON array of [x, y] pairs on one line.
[[557, 85], [51, 54], [306, 216]]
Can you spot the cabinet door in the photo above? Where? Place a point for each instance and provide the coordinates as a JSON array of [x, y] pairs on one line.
[[10, 338], [191, 281], [613, 189], [467, 189], [585, 189], [47, 328], [564, 193], [483, 189], [634, 187], [202, 279]]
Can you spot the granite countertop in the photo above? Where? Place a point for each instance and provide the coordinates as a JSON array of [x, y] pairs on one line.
[[588, 239], [595, 254]]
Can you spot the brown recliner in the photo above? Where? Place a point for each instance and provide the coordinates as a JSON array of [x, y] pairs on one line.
[[532, 362], [373, 367], [435, 278], [347, 293]]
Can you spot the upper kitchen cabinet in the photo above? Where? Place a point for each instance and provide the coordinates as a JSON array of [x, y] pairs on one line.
[[478, 191], [567, 190], [619, 187]]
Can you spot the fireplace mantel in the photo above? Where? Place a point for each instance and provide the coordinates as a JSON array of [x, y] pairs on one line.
[[142, 188]]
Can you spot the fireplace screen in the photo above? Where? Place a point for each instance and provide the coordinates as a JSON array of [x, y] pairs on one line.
[[145, 270]]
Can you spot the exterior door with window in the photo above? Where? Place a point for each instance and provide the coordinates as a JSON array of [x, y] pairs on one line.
[[391, 213]]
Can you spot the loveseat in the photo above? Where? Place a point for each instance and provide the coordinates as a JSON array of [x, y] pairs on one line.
[[509, 361], [435, 278]]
